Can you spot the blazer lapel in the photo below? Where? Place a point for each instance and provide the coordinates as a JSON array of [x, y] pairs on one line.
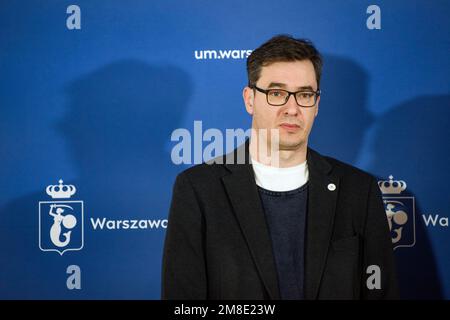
[[322, 197], [243, 194]]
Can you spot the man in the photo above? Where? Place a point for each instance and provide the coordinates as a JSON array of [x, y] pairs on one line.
[[285, 224]]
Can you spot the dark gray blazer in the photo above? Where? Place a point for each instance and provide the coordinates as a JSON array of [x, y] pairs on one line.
[[218, 245]]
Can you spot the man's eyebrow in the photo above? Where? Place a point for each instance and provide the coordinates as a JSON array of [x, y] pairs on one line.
[[276, 84], [306, 88], [283, 85]]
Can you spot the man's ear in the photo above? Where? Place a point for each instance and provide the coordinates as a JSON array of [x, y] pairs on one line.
[[249, 99]]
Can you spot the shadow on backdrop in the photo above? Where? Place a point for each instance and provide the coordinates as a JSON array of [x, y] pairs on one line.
[[412, 141], [118, 121]]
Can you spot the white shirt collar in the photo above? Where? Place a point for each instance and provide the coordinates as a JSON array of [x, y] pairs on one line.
[[280, 179]]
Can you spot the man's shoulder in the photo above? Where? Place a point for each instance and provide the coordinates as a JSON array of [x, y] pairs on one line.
[[204, 172], [347, 170], [352, 178], [216, 167]]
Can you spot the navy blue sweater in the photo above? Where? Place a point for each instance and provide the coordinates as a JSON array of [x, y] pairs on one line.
[[286, 217]]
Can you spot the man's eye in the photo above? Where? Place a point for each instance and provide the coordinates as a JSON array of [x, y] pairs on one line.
[[276, 93], [306, 95]]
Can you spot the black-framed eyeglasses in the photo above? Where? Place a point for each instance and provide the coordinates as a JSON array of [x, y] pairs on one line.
[[278, 97]]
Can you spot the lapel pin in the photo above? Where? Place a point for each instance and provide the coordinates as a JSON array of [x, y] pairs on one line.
[[331, 187]]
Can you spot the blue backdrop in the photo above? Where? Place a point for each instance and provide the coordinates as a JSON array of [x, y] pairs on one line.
[[91, 94]]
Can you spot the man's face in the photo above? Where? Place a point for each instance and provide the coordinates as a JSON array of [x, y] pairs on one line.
[[293, 122]]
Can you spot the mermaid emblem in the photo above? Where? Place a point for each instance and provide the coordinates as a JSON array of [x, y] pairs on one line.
[[61, 222], [400, 212], [69, 221]]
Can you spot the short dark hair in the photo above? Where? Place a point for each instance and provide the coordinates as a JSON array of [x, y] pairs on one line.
[[282, 48]]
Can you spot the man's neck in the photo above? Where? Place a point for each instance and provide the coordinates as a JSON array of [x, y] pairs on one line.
[[278, 157]]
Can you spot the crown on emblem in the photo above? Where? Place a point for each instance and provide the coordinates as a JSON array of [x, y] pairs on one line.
[[61, 191], [392, 186]]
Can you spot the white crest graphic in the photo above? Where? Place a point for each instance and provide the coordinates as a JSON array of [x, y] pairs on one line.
[[61, 191], [61, 226], [400, 212]]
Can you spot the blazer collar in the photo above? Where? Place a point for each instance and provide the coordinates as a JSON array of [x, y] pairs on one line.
[[243, 194]]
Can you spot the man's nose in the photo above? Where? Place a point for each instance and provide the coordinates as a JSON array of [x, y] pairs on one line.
[[291, 106]]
